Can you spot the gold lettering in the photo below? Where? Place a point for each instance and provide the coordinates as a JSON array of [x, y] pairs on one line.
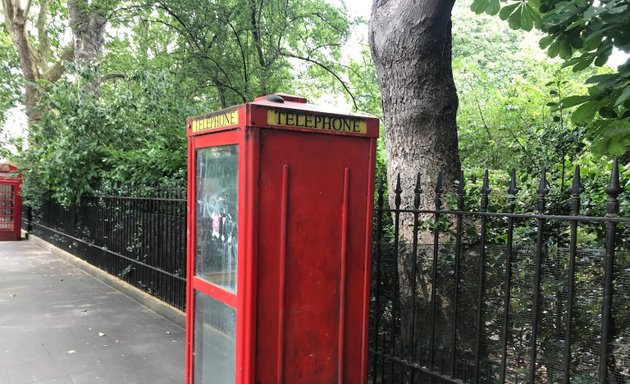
[[213, 122], [316, 121]]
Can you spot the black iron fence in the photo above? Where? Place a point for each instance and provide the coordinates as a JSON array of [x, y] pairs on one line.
[[471, 296], [139, 238], [459, 295]]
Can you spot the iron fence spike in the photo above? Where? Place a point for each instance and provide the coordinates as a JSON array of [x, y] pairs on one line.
[[438, 184], [461, 184], [397, 192], [576, 187], [614, 189], [543, 186], [485, 187], [512, 188], [380, 192], [417, 191]]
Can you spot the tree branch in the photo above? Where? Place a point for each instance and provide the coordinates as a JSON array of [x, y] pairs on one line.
[[53, 73], [111, 76], [42, 36], [327, 69]]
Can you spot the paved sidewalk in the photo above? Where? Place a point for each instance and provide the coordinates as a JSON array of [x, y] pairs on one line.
[[60, 325]]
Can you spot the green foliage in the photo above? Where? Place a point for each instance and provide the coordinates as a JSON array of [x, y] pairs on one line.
[[582, 33], [240, 49], [505, 91], [10, 82], [133, 135]]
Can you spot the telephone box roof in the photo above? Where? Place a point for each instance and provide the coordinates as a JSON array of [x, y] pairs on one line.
[[284, 111], [9, 170]]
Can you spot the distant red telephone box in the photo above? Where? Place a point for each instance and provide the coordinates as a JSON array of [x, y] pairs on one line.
[[280, 196], [10, 202]]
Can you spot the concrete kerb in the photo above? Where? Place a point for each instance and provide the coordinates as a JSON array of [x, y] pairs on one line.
[[168, 312]]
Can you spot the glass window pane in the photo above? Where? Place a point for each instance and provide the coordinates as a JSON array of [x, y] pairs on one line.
[[215, 345], [217, 214]]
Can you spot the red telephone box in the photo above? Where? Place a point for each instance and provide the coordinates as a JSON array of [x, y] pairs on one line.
[[280, 196], [10, 202]]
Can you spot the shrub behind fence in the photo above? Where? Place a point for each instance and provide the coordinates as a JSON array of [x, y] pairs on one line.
[[500, 297]]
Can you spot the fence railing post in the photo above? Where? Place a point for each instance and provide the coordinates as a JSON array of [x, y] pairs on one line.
[[512, 191], [543, 191], [613, 190], [414, 272], [575, 190], [378, 280], [29, 219], [461, 194], [396, 278], [436, 250], [485, 193]]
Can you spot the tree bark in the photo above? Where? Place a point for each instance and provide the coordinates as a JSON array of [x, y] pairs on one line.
[[411, 44], [87, 22], [34, 59], [16, 19]]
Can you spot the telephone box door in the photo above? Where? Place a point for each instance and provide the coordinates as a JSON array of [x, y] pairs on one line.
[[10, 202], [215, 265]]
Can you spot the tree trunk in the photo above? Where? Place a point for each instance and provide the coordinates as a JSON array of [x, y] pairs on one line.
[[16, 19], [411, 46], [88, 21], [34, 60]]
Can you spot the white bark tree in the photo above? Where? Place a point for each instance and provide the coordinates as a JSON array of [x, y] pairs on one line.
[[37, 61]]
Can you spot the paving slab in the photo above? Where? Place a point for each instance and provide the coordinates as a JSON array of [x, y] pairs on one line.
[[60, 325]]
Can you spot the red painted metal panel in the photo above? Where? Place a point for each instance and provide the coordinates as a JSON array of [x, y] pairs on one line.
[[342, 278], [10, 202], [305, 176], [312, 330]]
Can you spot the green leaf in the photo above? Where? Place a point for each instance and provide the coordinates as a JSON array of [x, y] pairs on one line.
[[493, 7], [607, 113], [546, 41], [594, 39], [534, 4], [554, 48], [507, 11], [583, 63], [616, 10], [625, 95], [616, 147], [479, 6], [572, 101], [575, 40], [599, 78], [602, 58], [585, 113], [514, 21], [565, 50], [527, 22]]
